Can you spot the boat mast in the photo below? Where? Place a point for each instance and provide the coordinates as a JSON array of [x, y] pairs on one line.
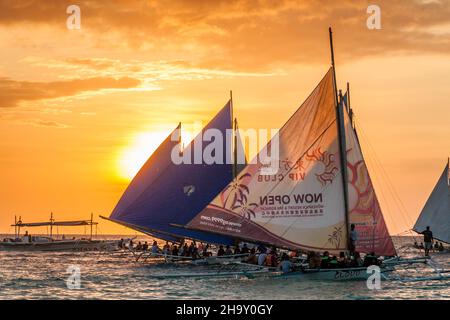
[[15, 227], [341, 136], [51, 224], [92, 218], [234, 124]]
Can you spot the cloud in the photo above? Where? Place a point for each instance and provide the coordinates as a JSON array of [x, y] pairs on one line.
[[13, 92], [45, 123], [247, 34]]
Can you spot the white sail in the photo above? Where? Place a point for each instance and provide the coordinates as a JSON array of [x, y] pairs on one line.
[[436, 212], [301, 205]]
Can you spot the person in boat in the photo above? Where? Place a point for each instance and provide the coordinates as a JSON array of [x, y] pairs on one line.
[[271, 258], [371, 259], [333, 263], [353, 238], [206, 252], [174, 250], [120, 243], [421, 246], [315, 262], [416, 245], [166, 248], [145, 246], [191, 248], [441, 247], [237, 250], [356, 260], [26, 237], [195, 254], [262, 248], [428, 240], [155, 248], [262, 258], [245, 249], [436, 247], [285, 265], [342, 260], [221, 251], [139, 246], [325, 262], [185, 251], [228, 251], [252, 258]]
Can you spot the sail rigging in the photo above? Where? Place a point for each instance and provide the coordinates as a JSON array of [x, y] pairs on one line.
[[436, 212]]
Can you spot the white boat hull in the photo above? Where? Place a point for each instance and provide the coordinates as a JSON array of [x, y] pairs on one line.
[[63, 245]]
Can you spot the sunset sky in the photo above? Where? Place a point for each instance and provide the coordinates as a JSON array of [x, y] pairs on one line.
[[80, 110]]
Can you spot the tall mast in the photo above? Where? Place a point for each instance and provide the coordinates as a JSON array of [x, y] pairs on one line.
[[341, 135], [15, 227], [234, 124], [92, 218], [51, 224]]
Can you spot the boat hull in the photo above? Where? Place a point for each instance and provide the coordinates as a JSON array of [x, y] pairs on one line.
[[343, 274], [69, 245]]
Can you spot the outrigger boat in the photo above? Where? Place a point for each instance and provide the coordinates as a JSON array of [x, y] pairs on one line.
[[50, 243]]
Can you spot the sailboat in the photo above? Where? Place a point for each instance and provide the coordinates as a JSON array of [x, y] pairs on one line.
[[163, 191], [321, 189], [436, 212]]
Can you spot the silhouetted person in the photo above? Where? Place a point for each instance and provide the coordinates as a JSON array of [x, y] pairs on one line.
[[428, 240]]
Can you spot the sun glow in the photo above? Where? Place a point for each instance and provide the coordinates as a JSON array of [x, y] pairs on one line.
[[141, 147], [132, 157]]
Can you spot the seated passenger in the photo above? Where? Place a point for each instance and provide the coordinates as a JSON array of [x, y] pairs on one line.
[[237, 250], [221, 251], [155, 248], [285, 265], [333, 263], [262, 258], [174, 251], [342, 260], [356, 260], [252, 258], [370, 259], [325, 262], [228, 251]]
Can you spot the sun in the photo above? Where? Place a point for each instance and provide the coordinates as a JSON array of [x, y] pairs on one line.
[[142, 145], [135, 154]]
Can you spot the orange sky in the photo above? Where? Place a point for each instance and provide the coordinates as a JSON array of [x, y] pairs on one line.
[[77, 106]]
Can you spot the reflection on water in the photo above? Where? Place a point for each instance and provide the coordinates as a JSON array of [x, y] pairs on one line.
[[115, 275]]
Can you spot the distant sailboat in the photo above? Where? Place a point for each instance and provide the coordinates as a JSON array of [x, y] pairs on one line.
[[164, 192], [436, 212]]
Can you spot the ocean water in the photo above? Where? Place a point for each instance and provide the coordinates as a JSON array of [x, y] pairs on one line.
[[116, 275]]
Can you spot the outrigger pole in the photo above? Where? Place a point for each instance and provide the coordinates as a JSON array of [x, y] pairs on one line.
[[341, 135]]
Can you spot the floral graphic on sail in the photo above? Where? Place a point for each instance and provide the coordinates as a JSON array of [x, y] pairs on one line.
[[328, 160], [235, 197], [335, 237], [362, 204]]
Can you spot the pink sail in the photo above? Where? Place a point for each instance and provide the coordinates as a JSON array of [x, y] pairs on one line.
[[364, 208]]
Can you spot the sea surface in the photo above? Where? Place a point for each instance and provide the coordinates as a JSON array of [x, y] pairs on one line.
[[116, 275]]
